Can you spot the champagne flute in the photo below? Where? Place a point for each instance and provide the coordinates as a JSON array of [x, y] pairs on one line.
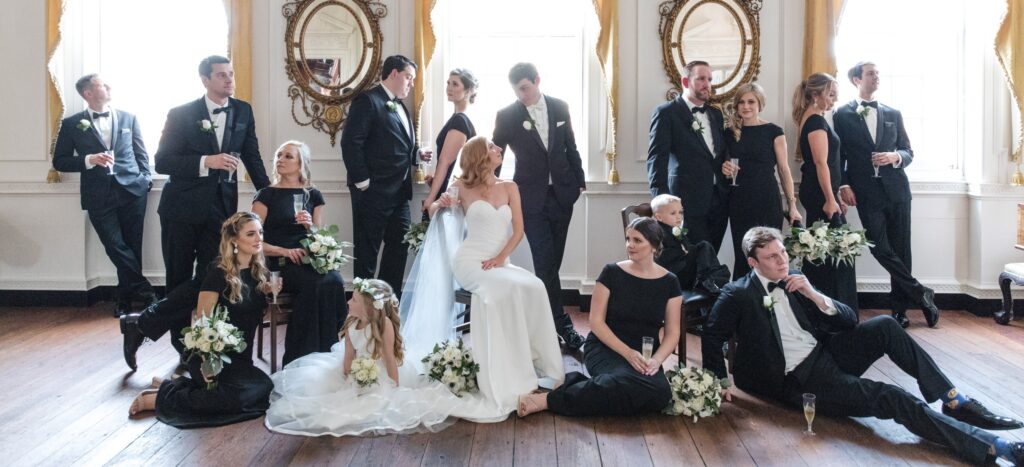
[[875, 164], [231, 173], [298, 202], [453, 193], [736, 169], [647, 348], [809, 413], [275, 284], [110, 170]]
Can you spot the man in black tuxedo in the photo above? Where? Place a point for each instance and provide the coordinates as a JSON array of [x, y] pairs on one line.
[[685, 155], [549, 172], [105, 145], [792, 340], [873, 135], [378, 145], [196, 152]]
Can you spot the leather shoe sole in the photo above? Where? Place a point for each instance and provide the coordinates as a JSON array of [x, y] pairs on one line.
[[901, 318], [931, 312], [133, 339]]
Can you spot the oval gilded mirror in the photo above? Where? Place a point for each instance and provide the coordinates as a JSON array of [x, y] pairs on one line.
[[724, 33], [333, 53]]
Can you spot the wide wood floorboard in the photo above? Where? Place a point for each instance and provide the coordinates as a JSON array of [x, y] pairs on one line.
[[66, 393]]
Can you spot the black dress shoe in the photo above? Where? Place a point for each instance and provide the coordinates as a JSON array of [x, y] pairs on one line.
[[122, 308], [901, 317], [573, 340], [931, 312], [973, 413], [133, 338], [709, 286]]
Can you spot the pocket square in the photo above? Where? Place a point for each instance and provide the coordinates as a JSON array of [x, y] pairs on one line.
[[125, 130], [559, 124]]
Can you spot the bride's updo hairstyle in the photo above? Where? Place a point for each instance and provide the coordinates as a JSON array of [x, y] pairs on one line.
[[474, 162], [379, 300], [650, 230]]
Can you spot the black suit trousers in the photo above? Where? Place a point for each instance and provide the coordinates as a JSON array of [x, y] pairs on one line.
[[119, 227], [172, 314], [375, 219], [710, 227], [546, 230], [835, 378], [889, 227], [615, 387], [189, 248]]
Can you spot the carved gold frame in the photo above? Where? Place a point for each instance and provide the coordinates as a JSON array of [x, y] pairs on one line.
[[327, 113], [675, 13]]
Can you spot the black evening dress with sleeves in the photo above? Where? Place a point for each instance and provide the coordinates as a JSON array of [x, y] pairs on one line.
[[319, 306], [755, 199], [243, 391], [838, 282], [636, 309]]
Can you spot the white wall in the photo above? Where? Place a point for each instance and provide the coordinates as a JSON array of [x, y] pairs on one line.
[[963, 229]]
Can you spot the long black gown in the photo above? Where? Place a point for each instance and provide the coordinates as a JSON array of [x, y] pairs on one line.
[[243, 391], [319, 307], [755, 200], [636, 309], [459, 122], [838, 282]]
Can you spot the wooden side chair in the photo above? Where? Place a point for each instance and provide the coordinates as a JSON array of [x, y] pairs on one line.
[[276, 314], [464, 297]]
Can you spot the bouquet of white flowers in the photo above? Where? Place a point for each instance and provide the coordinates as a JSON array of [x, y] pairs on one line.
[[451, 364], [809, 244], [325, 252], [415, 235], [696, 392], [211, 338], [848, 244], [364, 371]]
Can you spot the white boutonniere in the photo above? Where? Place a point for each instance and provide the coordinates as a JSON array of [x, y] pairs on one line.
[[863, 110], [84, 124], [678, 231], [392, 106], [207, 126], [769, 303], [697, 127], [527, 125]]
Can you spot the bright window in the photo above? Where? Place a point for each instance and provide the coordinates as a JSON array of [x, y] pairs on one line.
[[556, 36], [148, 52], [930, 67]]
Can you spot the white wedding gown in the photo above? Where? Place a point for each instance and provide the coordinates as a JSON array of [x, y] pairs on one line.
[[512, 339]]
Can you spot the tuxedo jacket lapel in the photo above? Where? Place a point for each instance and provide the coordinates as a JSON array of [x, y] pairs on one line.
[[202, 113], [688, 118], [716, 136], [95, 132], [772, 319], [862, 123], [534, 133], [229, 123], [114, 131], [552, 123], [879, 127]]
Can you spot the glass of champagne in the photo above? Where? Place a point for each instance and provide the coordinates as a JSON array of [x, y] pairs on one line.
[[809, 413], [110, 170], [647, 348], [453, 193], [736, 169], [298, 202], [275, 284], [875, 164], [231, 173]]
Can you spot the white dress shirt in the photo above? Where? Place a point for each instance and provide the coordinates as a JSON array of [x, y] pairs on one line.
[[702, 117], [797, 343], [539, 113], [105, 127], [219, 120], [871, 120]]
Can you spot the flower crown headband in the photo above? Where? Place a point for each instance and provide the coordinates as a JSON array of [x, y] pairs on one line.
[[364, 286]]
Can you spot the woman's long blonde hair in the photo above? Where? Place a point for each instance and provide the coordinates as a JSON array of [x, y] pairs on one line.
[[475, 163], [228, 262], [734, 121], [370, 290], [817, 84]]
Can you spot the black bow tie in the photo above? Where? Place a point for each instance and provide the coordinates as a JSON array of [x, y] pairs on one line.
[[221, 109], [870, 104], [96, 115], [777, 285], [699, 109]]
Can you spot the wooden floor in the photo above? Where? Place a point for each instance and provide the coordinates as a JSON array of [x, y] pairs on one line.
[[65, 393]]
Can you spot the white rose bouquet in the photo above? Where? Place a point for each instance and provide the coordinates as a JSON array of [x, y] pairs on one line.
[[452, 364], [325, 252], [364, 371], [415, 235], [848, 244], [809, 244], [212, 338], [696, 392]]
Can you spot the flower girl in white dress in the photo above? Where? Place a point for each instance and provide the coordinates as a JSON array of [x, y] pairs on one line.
[[318, 394]]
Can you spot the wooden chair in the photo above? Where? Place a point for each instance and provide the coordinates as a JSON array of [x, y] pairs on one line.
[[691, 318], [464, 297], [1012, 273], [276, 314]]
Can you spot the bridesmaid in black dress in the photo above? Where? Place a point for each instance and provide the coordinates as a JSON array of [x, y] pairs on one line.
[[236, 280], [632, 299], [820, 179], [319, 306], [461, 91], [755, 150]]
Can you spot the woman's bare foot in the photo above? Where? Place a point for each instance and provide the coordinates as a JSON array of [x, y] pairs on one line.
[[144, 402], [532, 403]]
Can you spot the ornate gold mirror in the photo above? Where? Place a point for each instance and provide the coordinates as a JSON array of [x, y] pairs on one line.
[[333, 53], [724, 33]]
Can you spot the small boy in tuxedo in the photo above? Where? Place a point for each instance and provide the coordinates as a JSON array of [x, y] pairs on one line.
[[695, 265]]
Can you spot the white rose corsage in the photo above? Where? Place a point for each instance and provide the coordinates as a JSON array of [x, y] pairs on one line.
[[863, 110], [392, 106], [207, 126], [84, 124], [769, 303], [697, 127], [527, 125]]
